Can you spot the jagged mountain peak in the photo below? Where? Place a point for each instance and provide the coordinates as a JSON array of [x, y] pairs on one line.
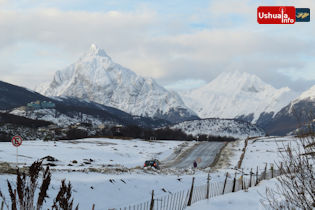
[[94, 50], [97, 78]]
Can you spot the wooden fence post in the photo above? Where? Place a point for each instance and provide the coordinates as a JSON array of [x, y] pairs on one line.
[[265, 172], [242, 177], [208, 186], [226, 176], [191, 192], [152, 201], [2, 205], [281, 169], [168, 199], [176, 199], [257, 178], [234, 182], [182, 199], [93, 207], [250, 177], [271, 168]]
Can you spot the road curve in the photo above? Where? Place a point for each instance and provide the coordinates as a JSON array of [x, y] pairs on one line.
[[206, 151]]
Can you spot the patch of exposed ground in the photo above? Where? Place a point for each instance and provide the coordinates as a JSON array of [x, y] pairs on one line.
[[224, 159], [6, 168], [217, 158]]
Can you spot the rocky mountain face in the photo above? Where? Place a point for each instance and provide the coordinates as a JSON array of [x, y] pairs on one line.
[[95, 77]]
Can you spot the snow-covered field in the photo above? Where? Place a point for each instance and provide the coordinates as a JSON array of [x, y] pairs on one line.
[[102, 188], [266, 151], [90, 153], [259, 152], [113, 191], [122, 188]]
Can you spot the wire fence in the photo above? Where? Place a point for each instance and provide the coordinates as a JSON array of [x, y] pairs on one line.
[[180, 200]]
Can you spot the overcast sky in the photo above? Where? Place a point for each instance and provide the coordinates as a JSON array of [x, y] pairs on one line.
[[180, 43]]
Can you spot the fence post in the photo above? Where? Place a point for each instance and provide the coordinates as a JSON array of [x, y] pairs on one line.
[[265, 172], [226, 176], [93, 207], [182, 200], [2, 205], [250, 177], [242, 178], [281, 168], [152, 201], [168, 200], [208, 186], [176, 200], [191, 192], [257, 178], [271, 168], [234, 182]]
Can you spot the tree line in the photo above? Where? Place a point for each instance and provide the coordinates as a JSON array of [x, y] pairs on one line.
[[165, 133]]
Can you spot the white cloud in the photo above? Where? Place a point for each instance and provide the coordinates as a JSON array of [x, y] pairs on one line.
[[154, 46], [186, 84]]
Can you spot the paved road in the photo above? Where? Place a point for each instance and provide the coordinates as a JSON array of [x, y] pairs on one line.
[[206, 151]]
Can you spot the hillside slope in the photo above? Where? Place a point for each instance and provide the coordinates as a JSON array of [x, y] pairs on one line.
[[220, 127]]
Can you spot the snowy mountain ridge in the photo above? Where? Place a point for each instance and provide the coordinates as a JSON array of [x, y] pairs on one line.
[[235, 94], [297, 114], [307, 95], [97, 78]]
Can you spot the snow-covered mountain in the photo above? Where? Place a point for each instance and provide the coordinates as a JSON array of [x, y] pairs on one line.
[[307, 95], [298, 113], [237, 95], [97, 78], [220, 127]]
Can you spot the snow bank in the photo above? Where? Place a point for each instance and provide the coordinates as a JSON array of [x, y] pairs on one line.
[[239, 200]]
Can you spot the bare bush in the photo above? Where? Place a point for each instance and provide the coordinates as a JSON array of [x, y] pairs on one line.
[[296, 187], [23, 197], [64, 198], [26, 195]]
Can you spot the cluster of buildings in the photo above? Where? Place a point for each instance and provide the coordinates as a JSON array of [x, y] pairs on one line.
[[41, 105]]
